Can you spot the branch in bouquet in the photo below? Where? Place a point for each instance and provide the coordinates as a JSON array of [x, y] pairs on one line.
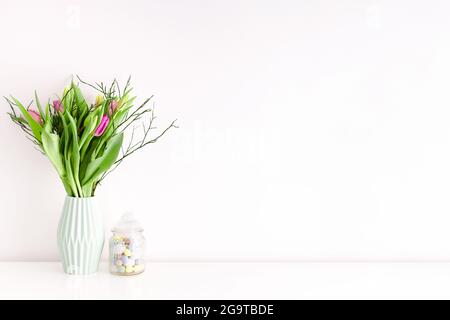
[[132, 148], [108, 93], [144, 143], [22, 124], [135, 115], [92, 86]]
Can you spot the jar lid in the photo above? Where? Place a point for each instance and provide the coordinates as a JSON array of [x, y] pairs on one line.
[[127, 223]]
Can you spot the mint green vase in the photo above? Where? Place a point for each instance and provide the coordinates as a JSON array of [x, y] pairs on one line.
[[80, 236]]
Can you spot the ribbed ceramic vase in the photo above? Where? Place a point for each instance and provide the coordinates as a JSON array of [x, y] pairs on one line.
[[80, 236]]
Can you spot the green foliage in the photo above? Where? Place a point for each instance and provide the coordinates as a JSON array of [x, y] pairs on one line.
[[51, 143], [82, 154], [35, 127], [101, 164]]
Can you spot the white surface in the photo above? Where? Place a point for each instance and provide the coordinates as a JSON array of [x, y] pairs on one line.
[[34, 280], [309, 129]]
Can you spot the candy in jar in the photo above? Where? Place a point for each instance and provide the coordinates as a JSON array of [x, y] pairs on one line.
[[127, 247]]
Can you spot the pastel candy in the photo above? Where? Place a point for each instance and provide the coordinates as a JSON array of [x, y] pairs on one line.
[[120, 269], [117, 240], [127, 252], [129, 269], [138, 268], [119, 249], [129, 263], [119, 263]]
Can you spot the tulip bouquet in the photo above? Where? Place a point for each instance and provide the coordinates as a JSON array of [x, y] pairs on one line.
[[83, 141]]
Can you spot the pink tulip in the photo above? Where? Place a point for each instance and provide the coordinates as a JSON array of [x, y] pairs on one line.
[[113, 107], [36, 116], [58, 106], [102, 126]]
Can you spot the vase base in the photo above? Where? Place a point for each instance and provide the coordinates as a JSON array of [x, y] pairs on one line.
[[77, 271]]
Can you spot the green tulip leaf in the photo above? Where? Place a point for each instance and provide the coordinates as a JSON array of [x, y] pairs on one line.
[[67, 99], [89, 126], [105, 161], [75, 154], [50, 142], [70, 177], [79, 99], [38, 104], [36, 128]]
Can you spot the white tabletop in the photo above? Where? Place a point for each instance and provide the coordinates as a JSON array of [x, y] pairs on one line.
[[45, 280]]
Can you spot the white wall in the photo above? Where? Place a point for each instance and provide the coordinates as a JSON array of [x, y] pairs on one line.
[[310, 130]]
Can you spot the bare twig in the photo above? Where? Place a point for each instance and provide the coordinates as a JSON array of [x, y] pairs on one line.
[[140, 144]]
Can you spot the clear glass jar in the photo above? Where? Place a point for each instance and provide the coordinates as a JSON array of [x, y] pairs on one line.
[[127, 247]]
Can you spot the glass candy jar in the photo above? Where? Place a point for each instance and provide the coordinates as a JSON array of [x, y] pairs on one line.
[[127, 247]]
